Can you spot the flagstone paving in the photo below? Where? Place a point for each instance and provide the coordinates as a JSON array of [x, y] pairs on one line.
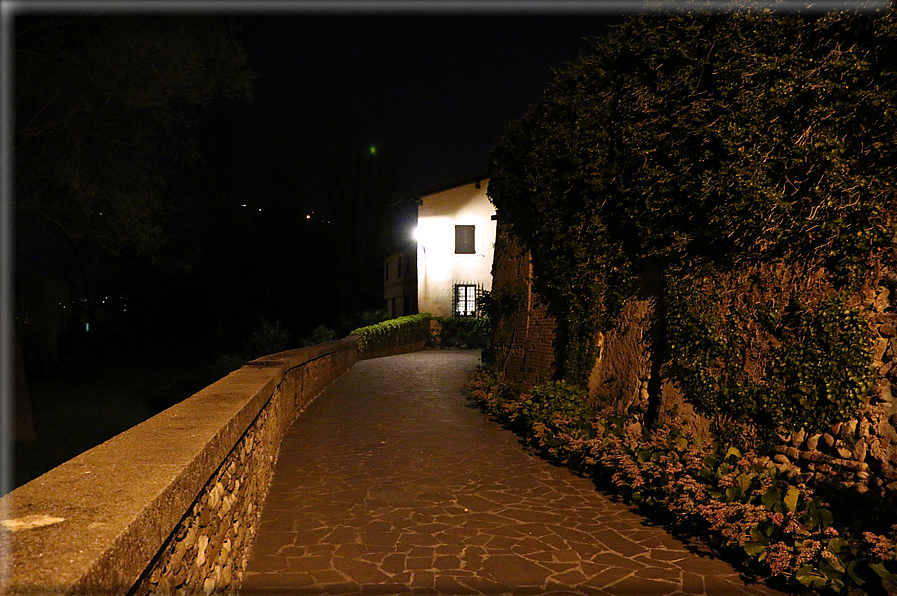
[[391, 483]]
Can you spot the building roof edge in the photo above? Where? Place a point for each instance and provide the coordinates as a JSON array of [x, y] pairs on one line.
[[447, 184]]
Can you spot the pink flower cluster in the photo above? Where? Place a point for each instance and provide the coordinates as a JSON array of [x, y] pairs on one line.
[[883, 547], [738, 498]]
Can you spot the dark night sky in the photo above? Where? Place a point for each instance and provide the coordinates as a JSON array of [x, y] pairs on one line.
[[432, 87], [434, 90]]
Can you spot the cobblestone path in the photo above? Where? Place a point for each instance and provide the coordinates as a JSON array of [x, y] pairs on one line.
[[390, 483]]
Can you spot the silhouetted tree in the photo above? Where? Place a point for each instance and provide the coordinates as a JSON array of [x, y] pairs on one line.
[[104, 108]]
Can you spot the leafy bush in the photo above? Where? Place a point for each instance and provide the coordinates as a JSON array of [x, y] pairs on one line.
[[344, 325], [738, 501], [553, 400], [394, 332], [798, 365], [268, 338], [716, 141], [560, 417], [321, 334], [462, 332]]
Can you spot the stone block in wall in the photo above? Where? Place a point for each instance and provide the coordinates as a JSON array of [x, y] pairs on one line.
[[212, 542], [879, 347], [813, 441], [674, 411], [625, 358], [848, 429]]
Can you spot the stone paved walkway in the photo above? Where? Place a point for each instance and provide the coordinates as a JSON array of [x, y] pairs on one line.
[[390, 483]]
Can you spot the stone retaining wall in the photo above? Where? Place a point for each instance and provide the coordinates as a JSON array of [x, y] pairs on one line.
[[523, 331], [860, 454], [169, 506]]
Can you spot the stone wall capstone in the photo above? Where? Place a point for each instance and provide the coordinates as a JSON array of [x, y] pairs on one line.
[[171, 505]]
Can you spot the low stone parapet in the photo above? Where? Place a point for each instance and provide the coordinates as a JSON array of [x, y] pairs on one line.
[[171, 504]]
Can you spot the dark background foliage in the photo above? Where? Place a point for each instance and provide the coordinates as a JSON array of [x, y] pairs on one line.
[[703, 145]]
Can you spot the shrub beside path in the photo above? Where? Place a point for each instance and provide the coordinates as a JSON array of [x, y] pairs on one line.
[[391, 483]]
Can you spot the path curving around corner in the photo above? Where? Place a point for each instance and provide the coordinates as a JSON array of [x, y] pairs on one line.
[[391, 483]]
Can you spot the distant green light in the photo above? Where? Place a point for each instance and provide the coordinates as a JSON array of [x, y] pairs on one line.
[[372, 150]]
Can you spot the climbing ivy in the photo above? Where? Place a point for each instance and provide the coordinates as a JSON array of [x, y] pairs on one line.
[[714, 143], [812, 367], [823, 373]]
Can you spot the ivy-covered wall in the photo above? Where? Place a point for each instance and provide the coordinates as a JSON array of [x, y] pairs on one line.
[[708, 205], [522, 343]]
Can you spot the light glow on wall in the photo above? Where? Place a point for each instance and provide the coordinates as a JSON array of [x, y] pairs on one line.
[[437, 234], [439, 268]]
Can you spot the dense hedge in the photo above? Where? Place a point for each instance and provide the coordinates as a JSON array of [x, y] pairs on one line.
[[462, 332], [392, 333], [735, 500], [684, 153]]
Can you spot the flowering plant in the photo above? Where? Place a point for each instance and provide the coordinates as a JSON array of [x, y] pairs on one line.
[[737, 500]]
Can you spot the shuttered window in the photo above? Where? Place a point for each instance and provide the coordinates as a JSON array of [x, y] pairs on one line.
[[464, 240]]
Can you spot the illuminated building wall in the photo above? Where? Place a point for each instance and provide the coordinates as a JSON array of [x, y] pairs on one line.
[[400, 283], [454, 261]]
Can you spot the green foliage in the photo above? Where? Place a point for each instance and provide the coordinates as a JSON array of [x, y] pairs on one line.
[[318, 335], [503, 301], [394, 332], [268, 338], [462, 332], [556, 412], [321, 334], [556, 399], [734, 499], [815, 368], [823, 374], [365, 318], [104, 108], [704, 142]]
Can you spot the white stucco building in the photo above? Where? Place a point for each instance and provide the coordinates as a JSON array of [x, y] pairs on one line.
[[400, 283], [455, 245]]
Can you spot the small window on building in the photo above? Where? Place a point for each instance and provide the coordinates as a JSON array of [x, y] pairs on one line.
[[464, 240], [399, 274], [465, 300]]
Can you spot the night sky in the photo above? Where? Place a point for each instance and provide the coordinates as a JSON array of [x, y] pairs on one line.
[[431, 91], [434, 90], [430, 87]]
